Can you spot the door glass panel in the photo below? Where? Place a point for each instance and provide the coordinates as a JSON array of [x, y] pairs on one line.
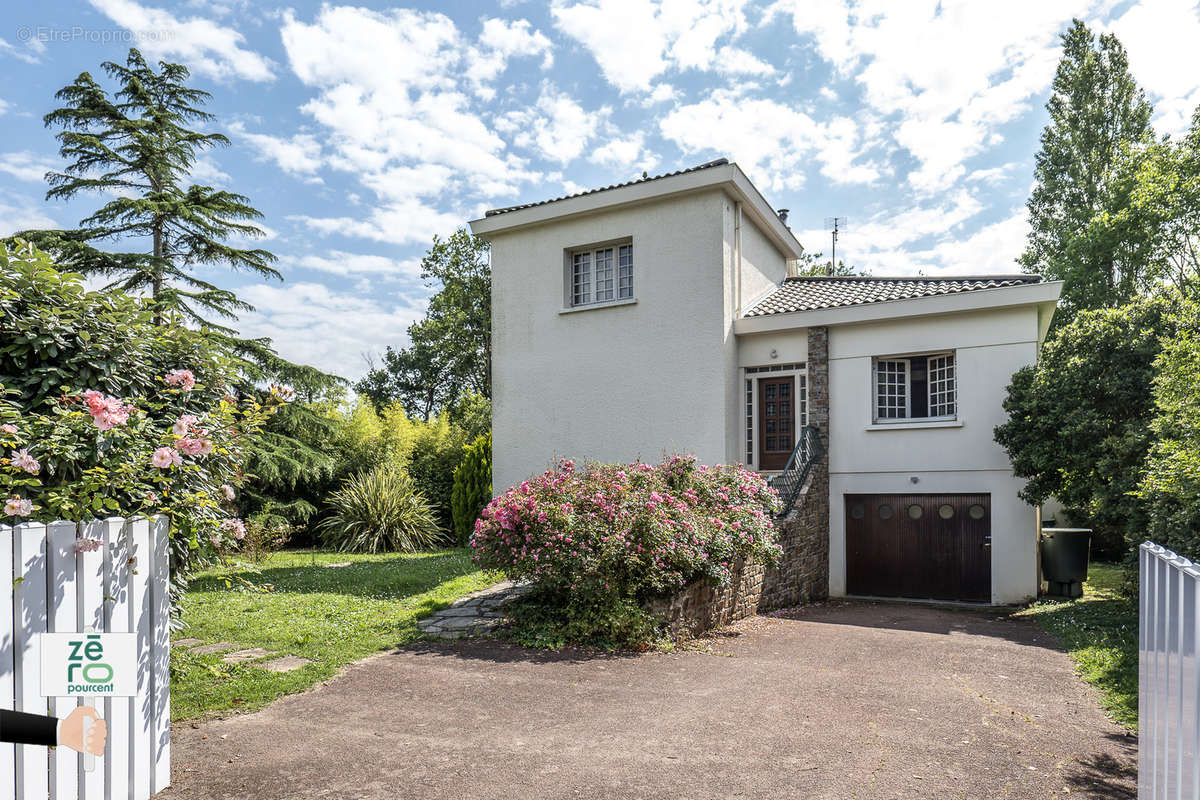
[[770, 409], [785, 390], [885, 511], [770, 426], [858, 511], [770, 391], [976, 511], [946, 511], [771, 443], [915, 511]]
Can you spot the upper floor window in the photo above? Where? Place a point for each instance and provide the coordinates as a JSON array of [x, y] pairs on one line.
[[601, 274], [916, 388]]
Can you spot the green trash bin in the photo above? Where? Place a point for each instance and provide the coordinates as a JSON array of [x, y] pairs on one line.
[[1065, 553]]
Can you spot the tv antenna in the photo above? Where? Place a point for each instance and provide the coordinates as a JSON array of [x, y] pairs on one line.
[[834, 225]]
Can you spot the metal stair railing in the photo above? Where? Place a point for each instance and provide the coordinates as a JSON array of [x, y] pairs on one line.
[[808, 451]]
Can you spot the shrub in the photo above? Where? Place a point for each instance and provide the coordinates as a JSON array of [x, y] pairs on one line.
[[472, 486], [604, 540], [265, 532], [378, 511], [435, 451]]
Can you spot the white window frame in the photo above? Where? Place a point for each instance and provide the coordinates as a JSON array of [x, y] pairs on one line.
[[750, 396], [608, 270], [908, 418]]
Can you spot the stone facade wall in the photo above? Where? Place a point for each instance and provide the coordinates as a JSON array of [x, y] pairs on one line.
[[802, 574], [702, 606]]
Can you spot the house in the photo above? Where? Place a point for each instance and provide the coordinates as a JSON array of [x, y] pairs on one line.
[[663, 315]]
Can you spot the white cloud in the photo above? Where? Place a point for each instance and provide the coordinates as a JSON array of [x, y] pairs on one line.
[[991, 250], [3, 106], [557, 127], [26, 166], [635, 41], [992, 175], [205, 170], [625, 151], [339, 262], [407, 221], [389, 96], [313, 324], [737, 61], [500, 41], [772, 142], [299, 154], [950, 72], [201, 44], [27, 216], [29, 53], [1161, 37]]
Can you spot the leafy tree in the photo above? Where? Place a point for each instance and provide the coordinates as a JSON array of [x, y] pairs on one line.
[[136, 144], [1097, 116], [1171, 485], [813, 265], [1079, 422], [472, 413], [451, 349]]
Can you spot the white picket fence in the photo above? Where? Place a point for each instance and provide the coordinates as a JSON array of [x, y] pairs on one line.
[[1168, 676], [120, 588]]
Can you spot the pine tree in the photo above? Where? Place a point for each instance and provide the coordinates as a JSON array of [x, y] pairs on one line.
[[1097, 116], [136, 144]]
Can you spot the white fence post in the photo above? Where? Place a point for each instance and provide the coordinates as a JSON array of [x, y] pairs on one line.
[[122, 587], [1168, 676]]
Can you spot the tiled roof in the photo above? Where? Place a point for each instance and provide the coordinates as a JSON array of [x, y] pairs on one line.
[[720, 162], [810, 294]]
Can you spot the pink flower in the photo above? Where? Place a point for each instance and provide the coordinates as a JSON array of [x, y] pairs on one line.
[[206, 447], [18, 507], [183, 378], [216, 540], [227, 490], [151, 497], [183, 425], [165, 458], [189, 447], [8, 428], [235, 527], [107, 412], [86, 545], [22, 460]]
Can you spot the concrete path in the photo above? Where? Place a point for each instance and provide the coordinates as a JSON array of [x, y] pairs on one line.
[[845, 701]]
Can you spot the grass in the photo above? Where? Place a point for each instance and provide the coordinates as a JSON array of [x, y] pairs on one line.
[[292, 605], [1099, 631]]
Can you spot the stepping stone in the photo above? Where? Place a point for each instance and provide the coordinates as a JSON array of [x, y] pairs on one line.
[[459, 611], [245, 655], [215, 647], [185, 642], [458, 623], [285, 664]]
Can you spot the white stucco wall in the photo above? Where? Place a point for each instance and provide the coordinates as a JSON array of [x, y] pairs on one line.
[[990, 347], [612, 383]]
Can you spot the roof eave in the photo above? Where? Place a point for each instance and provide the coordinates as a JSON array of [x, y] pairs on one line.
[[975, 300], [727, 176]]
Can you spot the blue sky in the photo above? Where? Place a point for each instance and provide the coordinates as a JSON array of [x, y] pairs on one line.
[[362, 130]]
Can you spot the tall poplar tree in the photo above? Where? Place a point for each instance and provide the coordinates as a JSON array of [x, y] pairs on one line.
[[136, 146], [1098, 115]]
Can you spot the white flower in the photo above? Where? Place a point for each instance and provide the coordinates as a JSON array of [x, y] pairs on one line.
[[18, 507], [22, 460]]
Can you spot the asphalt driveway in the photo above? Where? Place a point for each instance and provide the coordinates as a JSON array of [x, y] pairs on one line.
[[846, 700]]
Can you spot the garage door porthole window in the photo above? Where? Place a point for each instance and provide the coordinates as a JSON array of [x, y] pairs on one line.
[[976, 511], [885, 511], [858, 511], [916, 388], [915, 511], [946, 511]]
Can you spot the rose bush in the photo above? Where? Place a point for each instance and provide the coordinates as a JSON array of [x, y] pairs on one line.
[[609, 537]]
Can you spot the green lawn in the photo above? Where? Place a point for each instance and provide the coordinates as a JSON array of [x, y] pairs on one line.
[[295, 606], [1100, 631]]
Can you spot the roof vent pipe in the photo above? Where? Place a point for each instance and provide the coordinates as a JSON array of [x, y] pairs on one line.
[[783, 212]]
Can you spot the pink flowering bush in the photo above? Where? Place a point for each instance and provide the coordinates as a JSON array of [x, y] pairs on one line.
[[614, 536]]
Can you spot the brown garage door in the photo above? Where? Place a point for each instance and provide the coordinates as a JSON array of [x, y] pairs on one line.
[[935, 546]]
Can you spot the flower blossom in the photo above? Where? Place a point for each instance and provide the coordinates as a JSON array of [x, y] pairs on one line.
[[86, 545], [7, 428], [165, 458], [183, 378], [107, 412], [227, 490], [183, 425], [22, 460], [235, 527], [18, 507]]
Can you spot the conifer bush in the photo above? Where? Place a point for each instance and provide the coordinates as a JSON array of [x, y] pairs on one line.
[[472, 486]]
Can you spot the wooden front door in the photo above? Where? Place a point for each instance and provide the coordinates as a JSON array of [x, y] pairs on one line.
[[935, 546], [776, 421]]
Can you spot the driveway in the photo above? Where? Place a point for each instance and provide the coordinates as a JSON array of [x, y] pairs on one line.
[[845, 700]]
